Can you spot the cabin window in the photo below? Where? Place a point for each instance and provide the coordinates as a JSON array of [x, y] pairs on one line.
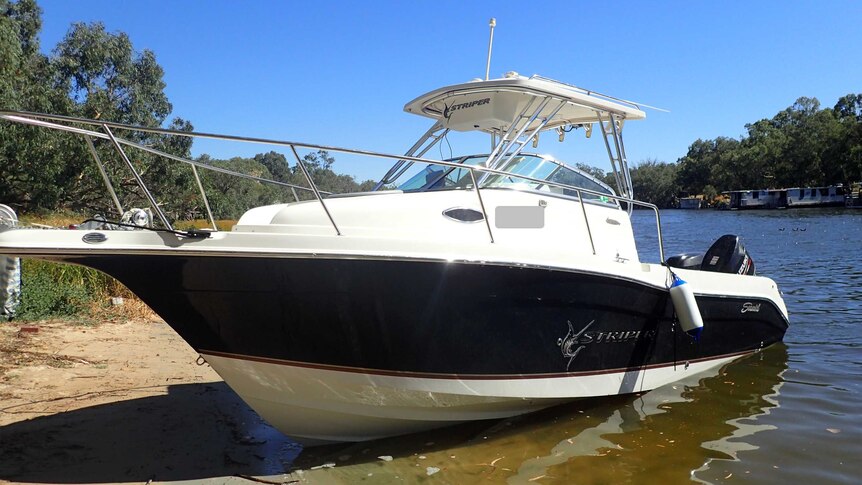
[[543, 169], [528, 166], [755, 195], [571, 177]]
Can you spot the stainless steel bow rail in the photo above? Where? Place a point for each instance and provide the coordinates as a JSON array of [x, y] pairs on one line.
[[66, 124]]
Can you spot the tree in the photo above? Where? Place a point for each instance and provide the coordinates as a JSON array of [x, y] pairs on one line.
[[231, 196], [765, 145], [809, 132], [277, 165], [104, 78], [319, 165], [107, 79], [848, 113], [710, 163], [655, 182], [29, 156], [695, 168], [800, 146], [849, 107], [590, 170], [91, 74], [96, 74]]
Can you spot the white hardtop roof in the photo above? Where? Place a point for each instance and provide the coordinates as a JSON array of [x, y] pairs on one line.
[[491, 106]]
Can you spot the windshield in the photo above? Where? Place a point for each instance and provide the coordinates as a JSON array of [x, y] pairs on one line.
[[438, 177], [442, 177]]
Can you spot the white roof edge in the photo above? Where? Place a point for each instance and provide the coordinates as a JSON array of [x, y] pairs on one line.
[[535, 85]]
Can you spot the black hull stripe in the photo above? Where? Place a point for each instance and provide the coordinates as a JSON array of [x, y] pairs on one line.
[[442, 321], [461, 377]]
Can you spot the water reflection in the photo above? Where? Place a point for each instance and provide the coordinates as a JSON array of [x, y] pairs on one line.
[[673, 434], [746, 426], [723, 428]]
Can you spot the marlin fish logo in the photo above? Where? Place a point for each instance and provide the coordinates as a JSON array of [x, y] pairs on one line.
[[568, 343], [446, 112]]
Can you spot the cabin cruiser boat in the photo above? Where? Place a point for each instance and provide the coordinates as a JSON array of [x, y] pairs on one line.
[[476, 287]]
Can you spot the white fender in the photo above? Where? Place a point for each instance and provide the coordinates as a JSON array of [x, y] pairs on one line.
[[686, 307]]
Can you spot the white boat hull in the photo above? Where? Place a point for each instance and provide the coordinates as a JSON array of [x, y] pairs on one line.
[[318, 405]]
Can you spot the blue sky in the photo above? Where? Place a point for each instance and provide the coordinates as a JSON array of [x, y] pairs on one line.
[[339, 73]]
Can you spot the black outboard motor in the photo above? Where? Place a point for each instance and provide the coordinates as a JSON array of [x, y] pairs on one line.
[[727, 255]]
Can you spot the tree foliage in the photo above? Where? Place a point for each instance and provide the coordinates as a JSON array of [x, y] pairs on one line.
[[803, 145], [230, 196], [29, 156], [96, 74], [655, 182], [91, 73]]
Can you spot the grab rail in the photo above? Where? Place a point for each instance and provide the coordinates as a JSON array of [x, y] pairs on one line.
[[39, 119]]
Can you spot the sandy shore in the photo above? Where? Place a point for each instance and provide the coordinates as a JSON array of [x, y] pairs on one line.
[[124, 403]]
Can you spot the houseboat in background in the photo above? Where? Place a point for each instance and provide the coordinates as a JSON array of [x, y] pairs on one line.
[[757, 199], [691, 203], [832, 196]]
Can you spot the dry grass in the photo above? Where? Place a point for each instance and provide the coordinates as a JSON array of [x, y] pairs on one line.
[[64, 220], [223, 224], [52, 220], [131, 308]]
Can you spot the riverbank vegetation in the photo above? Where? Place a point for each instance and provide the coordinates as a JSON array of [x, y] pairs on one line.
[[801, 146]]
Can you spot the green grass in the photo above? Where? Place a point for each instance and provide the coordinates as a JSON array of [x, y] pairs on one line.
[[53, 290]]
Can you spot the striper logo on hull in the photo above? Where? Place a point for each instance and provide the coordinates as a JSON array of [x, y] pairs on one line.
[[447, 110], [574, 342]]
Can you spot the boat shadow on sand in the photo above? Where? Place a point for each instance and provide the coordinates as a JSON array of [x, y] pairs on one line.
[[194, 431]]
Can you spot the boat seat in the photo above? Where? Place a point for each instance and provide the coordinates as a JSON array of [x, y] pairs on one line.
[[685, 261]]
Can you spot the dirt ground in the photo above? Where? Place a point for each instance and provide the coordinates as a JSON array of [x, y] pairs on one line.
[[124, 402]]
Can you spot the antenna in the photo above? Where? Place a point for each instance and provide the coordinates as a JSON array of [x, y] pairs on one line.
[[492, 24]]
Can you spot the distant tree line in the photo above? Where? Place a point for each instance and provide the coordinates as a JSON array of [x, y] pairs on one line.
[[230, 196], [801, 146], [98, 75]]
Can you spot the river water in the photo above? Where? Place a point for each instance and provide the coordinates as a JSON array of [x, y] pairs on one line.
[[790, 414]]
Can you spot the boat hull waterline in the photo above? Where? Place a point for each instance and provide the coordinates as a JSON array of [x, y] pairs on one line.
[[348, 349]]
